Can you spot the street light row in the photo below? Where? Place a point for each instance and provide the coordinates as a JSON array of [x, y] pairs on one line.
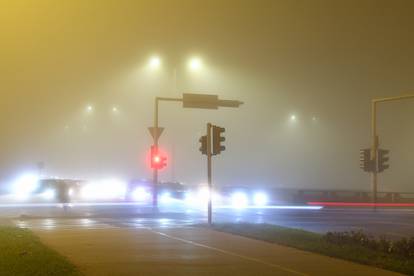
[[89, 109], [194, 63], [292, 118]]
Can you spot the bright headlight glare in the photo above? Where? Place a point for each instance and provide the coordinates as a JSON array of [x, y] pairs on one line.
[[25, 185], [140, 194], [239, 200], [105, 189], [260, 199], [49, 194]]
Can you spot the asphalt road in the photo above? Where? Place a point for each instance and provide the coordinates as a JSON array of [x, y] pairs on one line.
[[394, 223]]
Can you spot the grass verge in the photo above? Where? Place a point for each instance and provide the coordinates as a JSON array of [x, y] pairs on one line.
[[22, 253], [314, 242]]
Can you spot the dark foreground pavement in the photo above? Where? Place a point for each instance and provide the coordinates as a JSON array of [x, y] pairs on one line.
[[187, 251]]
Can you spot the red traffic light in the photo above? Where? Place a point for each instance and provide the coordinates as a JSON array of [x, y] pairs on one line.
[[157, 160]]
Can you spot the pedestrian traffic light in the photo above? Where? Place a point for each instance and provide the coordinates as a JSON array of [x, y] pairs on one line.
[[365, 162], [157, 161], [383, 160], [203, 144], [218, 139]]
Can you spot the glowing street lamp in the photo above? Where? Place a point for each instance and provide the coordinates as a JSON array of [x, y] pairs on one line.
[[195, 64], [154, 62], [115, 110], [89, 108]]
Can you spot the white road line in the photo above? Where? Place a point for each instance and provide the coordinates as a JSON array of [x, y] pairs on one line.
[[229, 253]]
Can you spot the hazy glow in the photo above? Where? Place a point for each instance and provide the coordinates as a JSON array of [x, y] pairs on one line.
[[140, 194], [104, 189], [89, 108], [48, 224], [49, 194], [195, 64], [25, 185], [293, 118], [154, 62], [260, 199], [203, 194], [115, 109], [165, 197], [239, 200]]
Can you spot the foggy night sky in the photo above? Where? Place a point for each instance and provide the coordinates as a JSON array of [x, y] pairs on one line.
[[323, 59]]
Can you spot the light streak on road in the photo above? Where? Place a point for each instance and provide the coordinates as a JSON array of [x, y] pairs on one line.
[[360, 204], [293, 207]]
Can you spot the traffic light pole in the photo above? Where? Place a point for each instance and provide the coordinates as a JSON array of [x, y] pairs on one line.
[[155, 136], [209, 177], [375, 139], [202, 101]]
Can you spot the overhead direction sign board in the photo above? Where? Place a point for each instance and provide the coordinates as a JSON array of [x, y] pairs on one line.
[[205, 101]]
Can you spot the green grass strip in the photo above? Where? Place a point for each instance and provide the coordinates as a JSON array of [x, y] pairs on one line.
[[314, 242], [22, 253]]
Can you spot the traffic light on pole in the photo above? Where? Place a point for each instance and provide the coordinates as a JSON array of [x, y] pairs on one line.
[[163, 162], [383, 160], [218, 139], [157, 161], [365, 162], [203, 144]]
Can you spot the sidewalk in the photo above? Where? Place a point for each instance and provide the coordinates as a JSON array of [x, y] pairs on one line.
[[189, 251]]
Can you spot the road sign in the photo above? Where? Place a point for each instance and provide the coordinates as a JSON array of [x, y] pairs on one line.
[[155, 132], [207, 101], [200, 101]]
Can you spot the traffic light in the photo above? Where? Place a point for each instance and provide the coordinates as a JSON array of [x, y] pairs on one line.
[[218, 139], [157, 161], [365, 162], [203, 146], [383, 160]]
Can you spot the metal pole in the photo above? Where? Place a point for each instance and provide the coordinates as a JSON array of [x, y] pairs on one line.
[[155, 171], [375, 140], [374, 149], [209, 173]]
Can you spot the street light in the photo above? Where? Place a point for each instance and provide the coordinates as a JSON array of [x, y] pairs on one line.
[[115, 110], [89, 108], [195, 64], [154, 62]]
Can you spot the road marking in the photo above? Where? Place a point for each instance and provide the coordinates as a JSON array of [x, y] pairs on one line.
[[229, 253]]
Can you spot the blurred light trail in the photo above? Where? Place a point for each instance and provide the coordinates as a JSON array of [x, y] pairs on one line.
[[294, 207], [360, 204]]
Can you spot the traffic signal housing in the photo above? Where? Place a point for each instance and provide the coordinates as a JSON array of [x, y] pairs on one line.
[[365, 162], [383, 160], [218, 139], [203, 144], [158, 162]]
